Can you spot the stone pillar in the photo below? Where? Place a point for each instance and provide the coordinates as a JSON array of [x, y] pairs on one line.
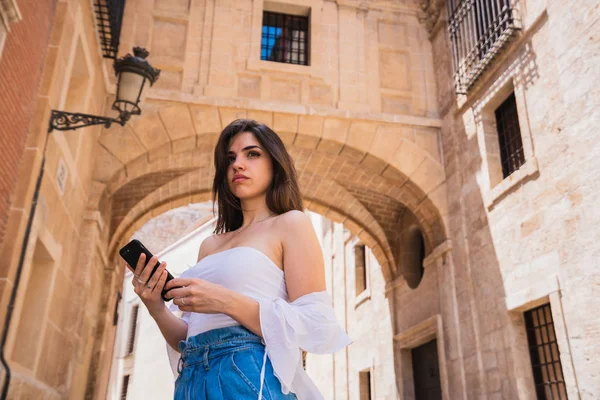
[[96, 278], [452, 376]]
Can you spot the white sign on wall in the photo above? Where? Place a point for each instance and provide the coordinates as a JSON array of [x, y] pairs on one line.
[[61, 176]]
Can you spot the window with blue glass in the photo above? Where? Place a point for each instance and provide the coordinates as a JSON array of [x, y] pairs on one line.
[[284, 38]]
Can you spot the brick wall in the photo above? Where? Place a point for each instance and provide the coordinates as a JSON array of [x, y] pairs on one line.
[[21, 65]]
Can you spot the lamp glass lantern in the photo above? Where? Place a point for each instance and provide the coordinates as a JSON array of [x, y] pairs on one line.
[[132, 71], [132, 74]]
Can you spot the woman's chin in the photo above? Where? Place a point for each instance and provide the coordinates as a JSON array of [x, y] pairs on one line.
[[247, 195]]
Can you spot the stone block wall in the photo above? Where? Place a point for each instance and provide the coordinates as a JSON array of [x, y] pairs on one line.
[[23, 49], [58, 310], [361, 59], [528, 239]]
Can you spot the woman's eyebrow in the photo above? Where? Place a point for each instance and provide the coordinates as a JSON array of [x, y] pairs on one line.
[[246, 148]]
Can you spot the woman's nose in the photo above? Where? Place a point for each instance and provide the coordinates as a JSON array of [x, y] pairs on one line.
[[238, 164]]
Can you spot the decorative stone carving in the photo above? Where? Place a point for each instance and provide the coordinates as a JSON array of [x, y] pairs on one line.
[[9, 11], [430, 14]]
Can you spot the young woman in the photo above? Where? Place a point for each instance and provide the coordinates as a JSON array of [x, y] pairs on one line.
[[256, 298]]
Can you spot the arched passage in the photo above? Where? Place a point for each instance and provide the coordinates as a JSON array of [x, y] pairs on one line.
[[162, 161]]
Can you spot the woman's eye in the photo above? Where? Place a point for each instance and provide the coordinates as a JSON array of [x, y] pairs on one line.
[[253, 154], [230, 159]]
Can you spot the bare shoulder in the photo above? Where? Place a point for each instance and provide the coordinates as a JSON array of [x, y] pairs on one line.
[[302, 255], [294, 224], [207, 246], [294, 219]]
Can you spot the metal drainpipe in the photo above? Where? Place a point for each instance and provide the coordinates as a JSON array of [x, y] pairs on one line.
[[13, 296]]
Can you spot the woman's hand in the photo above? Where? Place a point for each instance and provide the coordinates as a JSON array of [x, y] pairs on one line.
[[147, 287], [197, 295]]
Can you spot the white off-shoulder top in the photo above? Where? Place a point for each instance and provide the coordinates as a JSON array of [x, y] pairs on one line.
[[308, 323]]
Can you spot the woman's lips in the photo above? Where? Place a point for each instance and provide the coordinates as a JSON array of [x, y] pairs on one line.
[[241, 179]]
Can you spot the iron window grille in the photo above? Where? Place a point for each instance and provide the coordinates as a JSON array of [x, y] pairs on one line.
[[125, 387], [478, 29], [545, 356], [133, 329], [284, 38], [109, 18], [509, 136]]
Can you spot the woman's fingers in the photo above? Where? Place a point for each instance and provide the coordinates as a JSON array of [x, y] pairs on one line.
[[154, 279], [181, 282], [140, 265], [178, 292], [161, 282], [147, 271]]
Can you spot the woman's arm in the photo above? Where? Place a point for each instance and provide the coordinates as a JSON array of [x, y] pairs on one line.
[[149, 287], [302, 255], [172, 328]]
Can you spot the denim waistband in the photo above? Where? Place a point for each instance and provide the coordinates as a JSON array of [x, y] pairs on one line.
[[215, 343]]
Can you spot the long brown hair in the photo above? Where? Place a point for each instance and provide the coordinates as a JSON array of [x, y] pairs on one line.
[[282, 195]]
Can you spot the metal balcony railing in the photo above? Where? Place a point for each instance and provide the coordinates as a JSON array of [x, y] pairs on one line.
[[109, 17], [478, 29]]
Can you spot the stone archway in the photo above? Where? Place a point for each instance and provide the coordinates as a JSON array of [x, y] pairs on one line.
[[164, 160], [349, 211]]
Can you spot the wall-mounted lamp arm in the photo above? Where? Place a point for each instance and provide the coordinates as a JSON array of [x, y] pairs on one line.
[[66, 121]]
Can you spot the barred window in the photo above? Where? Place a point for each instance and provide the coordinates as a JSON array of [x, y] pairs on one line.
[[545, 355], [509, 136], [284, 38], [125, 387], [132, 329], [479, 29], [109, 17]]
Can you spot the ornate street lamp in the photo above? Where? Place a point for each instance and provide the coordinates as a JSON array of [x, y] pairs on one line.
[[132, 73]]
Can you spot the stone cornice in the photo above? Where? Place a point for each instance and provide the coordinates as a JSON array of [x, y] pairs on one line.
[[300, 109], [381, 5], [437, 255]]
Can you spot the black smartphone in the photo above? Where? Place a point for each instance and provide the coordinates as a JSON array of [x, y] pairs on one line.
[[131, 253]]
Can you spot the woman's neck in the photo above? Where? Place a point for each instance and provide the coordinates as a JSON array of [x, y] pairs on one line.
[[254, 210]]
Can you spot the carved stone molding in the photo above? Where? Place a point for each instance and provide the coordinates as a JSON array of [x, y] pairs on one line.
[[9, 14], [420, 333], [9, 11], [431, 13], [438, 255]]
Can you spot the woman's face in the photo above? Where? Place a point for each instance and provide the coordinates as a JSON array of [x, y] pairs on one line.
[[250, 169]]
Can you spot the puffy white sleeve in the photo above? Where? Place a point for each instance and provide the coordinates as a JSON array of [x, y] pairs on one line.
[[308, 323], [174, 355]]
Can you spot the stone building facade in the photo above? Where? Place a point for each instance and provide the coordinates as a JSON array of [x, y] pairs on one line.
[[20, 75], [384, 147]]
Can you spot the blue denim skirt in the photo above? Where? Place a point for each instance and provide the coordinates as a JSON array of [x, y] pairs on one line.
[[225, 364]]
